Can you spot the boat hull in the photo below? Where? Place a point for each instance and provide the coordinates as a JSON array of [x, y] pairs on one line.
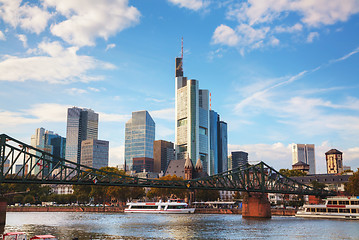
[[328, 216], [168, 211]]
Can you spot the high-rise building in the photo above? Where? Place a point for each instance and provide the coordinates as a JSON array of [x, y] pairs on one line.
[[218, 144], [50, 142], [239, 158], [94, 153], [334, 159], [82, 124], [163, 153], [222, 147], [192, 119], [139, 138], [304, 153]]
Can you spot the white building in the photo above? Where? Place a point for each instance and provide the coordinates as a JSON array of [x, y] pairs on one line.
[[304, 153]]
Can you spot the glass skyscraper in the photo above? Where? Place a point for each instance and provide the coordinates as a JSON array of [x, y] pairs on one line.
[[82, 124], [139, 138], [94, 153]]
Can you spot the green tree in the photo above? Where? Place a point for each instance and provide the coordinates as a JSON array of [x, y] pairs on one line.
[[352, 186], [292, 172], [318, 185]]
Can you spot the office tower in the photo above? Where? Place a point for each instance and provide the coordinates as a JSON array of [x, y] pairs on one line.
[[334, 159], [49, 142], [304, 153], [222, 147], [142, 164], [239, 158], [163, 153], [139, 138], [94, 153], [218, 144], [82, 124], [192, 119]]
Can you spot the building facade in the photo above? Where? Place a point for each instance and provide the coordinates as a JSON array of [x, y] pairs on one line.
[[239, 158], [304, 153], [218, 144], [139, 138], [334, 159], [163, 153], [94, 153], [82, 124]]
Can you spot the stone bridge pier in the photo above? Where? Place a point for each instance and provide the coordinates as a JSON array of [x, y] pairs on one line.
[[256, 205]]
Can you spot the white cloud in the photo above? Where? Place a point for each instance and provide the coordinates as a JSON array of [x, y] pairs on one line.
[[225, 35], [35, 114], [27, 16], [116, 155], [190, 4], [312, 36], [23, 39], [163, 132], [111, 117], [57, 65], [109, 46], [75, 91], [295, 28], [2, 36], [94, 89], [167, 114], [255, 16], [87, 20]]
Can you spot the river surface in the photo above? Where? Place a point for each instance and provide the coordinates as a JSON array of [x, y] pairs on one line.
[[68, 225]]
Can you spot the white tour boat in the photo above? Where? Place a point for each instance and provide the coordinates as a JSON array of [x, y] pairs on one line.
[[171, 206], [335, 207]]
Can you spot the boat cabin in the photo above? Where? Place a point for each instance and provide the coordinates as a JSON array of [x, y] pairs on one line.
[[44, 237]]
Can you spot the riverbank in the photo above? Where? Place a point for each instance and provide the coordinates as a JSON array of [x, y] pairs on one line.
[[275, 212]]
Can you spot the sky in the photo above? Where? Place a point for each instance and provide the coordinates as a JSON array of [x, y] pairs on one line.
[[279, 71]]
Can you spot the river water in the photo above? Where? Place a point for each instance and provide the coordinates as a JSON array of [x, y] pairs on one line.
[[68, 225]]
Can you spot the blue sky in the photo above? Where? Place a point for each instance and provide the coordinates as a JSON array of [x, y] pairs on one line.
[[279, 72]]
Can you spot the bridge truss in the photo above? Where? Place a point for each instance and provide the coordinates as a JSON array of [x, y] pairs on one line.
[[22, 163]]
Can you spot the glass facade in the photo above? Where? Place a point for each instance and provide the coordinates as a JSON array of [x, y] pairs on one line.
[[82, 124], [139, 138], [214, 118], [94, 153], [222, 147]]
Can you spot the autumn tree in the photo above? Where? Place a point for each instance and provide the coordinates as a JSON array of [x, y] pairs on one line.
[[207, 195], [165, 193], [352, 186], [292, 172]]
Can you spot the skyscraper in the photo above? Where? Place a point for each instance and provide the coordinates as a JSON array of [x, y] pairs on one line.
[[50, 142], [239, 158], [304, 153], [94, 153], [192, 119], [139, 138], [163, 153], [82, 124], [218, 144]]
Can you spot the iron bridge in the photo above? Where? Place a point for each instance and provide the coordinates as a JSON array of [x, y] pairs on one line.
[[22, 163]]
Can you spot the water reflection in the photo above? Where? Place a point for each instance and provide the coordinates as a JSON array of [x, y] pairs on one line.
[[196, 226]]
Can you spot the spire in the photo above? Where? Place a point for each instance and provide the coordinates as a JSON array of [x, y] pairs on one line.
[[188, 163], [199, 166]]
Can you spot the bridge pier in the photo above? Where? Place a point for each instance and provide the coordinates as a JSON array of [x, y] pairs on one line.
[[256, 205], [3, 205]]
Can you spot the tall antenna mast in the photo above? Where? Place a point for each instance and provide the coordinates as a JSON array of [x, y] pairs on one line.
[[182, 48]]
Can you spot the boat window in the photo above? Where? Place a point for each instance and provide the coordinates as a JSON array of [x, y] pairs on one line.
[[312, 209], [175, 207], [354, 202], [341, 202], [354, 211], [307, 209], [344, 210], [144, 207], [335, 202], [333, 210], [330, 202], [321, 210]]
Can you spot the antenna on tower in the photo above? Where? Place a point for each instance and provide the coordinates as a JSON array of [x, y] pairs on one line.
[[182, 48]]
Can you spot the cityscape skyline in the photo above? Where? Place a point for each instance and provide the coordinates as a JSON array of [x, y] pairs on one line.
[[277, 76]]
